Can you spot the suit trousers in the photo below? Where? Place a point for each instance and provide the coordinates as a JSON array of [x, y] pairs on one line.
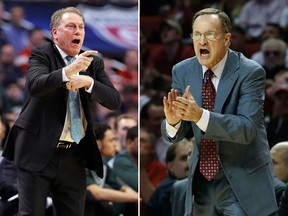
[[215, 197], [63, 179]]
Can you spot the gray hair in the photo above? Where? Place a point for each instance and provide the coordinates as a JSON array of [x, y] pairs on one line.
[[224, 19], [57, 15], [274, 41]]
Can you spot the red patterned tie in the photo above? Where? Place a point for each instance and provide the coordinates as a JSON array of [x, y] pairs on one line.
[[209, 164]]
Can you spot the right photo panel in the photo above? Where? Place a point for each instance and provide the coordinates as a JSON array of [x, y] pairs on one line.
[[213, 108]]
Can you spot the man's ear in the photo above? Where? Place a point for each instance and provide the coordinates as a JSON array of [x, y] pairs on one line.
[[170, 166], [99, 143]]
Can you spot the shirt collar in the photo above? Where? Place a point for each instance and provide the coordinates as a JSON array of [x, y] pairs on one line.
[[62, 53], [217, 69]]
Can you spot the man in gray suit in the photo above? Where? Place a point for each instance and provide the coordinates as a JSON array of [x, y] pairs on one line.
[[241, 181]]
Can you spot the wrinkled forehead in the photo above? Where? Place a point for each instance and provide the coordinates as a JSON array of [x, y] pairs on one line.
[[207, 22]]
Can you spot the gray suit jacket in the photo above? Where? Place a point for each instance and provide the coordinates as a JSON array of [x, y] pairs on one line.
[[237, 125]]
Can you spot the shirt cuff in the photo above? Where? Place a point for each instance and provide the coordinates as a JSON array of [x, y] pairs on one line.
[[204, 120], [172, 130], [89, 90], [64, 77]]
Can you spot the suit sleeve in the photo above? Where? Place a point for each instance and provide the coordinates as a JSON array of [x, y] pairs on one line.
[[103, 90]]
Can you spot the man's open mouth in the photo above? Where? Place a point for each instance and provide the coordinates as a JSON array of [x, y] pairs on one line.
[[76, 41]]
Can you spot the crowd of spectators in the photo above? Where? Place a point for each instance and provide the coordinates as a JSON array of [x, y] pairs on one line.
[[259, 31]]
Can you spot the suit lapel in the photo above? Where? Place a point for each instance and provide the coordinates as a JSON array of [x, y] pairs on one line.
[[227, 80], [195, 80]]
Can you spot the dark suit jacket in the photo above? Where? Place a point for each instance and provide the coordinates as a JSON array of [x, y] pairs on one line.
[[237, 125], [35, 134]]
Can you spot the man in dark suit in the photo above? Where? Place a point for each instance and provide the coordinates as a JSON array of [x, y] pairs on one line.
[[238, 167], [49, 157]]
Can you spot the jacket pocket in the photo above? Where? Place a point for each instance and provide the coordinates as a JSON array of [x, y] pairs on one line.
[[27, 125], [255, 164]]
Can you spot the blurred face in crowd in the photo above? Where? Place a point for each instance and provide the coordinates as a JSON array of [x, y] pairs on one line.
[[132, 147], [7, 54], [107, 145], [270, 32], [124, 125], [69, 33], [273, 56], [147, 149], [210, 49], [169, 34], [179, 167], [156, 115]]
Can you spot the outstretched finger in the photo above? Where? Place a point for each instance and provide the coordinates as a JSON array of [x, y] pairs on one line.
[[89, 52]]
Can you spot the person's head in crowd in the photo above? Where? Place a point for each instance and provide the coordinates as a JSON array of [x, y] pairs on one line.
[[280, 106], [132, 142], [106, 139], [272, 30], [131, 60], [238, 39], [152, 115], [211, 36], [36, 37], [274, 51], [147, 146], [122, 124], [110, 118], [177, 158], [170, 31], [14, 93], [17, 15], [7, 55], [281, 76], [68, 30], [279, 153]]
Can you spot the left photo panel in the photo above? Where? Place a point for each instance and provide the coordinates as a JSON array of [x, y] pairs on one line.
[[69, 108]]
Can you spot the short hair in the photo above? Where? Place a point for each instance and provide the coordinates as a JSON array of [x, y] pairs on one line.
[[100, 129], [274, 41], [152, 137], [283, 148], [57, 15], [224, 18], [171, 151], [132, 133], [122, 116], [144, 113]]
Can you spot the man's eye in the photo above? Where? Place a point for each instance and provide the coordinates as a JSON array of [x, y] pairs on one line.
[[210, 35]]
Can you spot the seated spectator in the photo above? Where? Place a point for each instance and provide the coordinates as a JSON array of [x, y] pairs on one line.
[[279, 153], [177, 164], [130, 73], [121, 125], [17, 30], [271, 30], [36, 38], [277, 127], [255, 14], [274, 51], [238, 40], [152, 172], [105, 195], [126, 162], [151, 116], [171, 50], [11, 73]]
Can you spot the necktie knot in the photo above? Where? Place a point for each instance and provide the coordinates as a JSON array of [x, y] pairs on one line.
[[208, 75], [70, 59]]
